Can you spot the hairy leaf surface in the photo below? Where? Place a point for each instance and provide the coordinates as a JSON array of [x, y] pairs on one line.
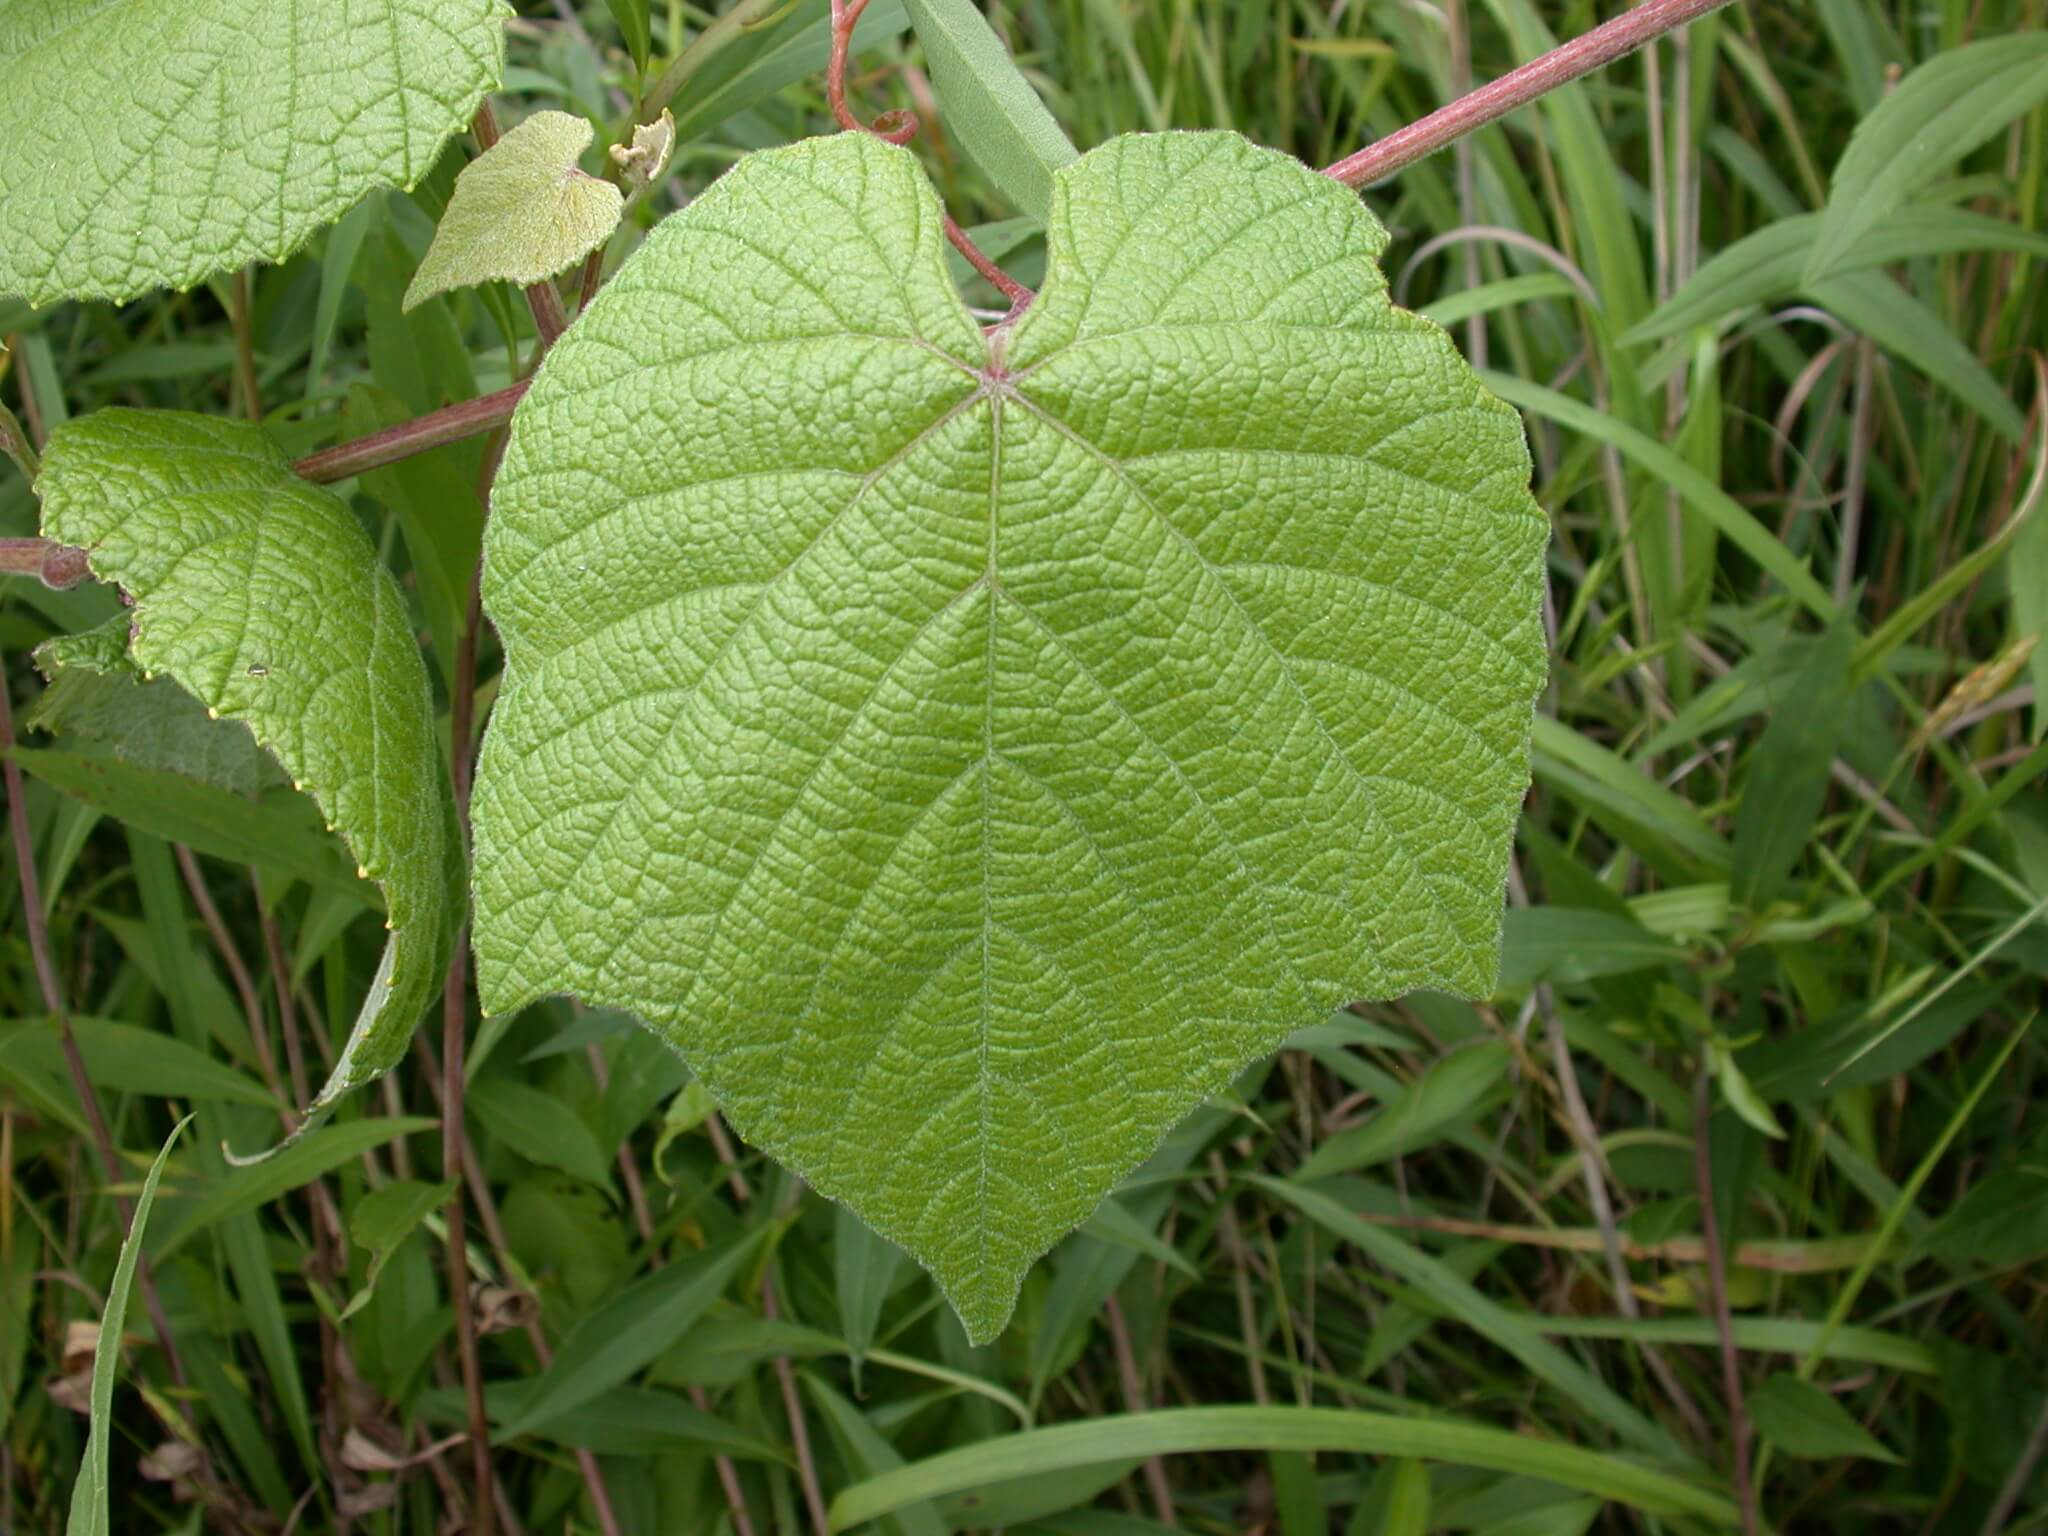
[[972, 750], [522, 211], [260, 594], [151, 143]]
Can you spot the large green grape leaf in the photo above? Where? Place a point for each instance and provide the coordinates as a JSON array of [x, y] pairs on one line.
[[971, 750], [261, 594], [151, 143]]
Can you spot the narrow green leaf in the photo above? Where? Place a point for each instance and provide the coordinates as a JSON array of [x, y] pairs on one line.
[[1740, 1096], [281, 830], [382, 1220], [1875, 306], [149, 146], [540, 1128], [261, 594], [1939, 113], [1448, 1092], [1801, 1420], [522, 211], [1574, 944], [628, 1332], [90, 1514], [634, 27], [1016, 697], [991, 111], [866, 1454], [1396, 1502], [2003, 1220], [1114, 1223], [337, 272], [1772, 1335], [152, 724], [1590, 772], [1770, 264], [1193, 1431], [2024, 535], [633, 1421], [127, 1059], [1786, 778], [1701, 495], [864, 1265]]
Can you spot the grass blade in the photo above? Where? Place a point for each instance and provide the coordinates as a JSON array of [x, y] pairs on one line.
[[989, 107], [1460, 1299], [1184, 1431], [90, 1515]]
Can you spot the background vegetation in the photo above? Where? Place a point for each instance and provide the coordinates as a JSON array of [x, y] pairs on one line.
[[1654, 1201]]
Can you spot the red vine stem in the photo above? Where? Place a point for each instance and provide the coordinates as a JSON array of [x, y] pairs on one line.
[[450, 424], [899, 128], [894, 127], [1561, 66]]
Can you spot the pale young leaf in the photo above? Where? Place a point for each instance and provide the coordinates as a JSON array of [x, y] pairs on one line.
[[522, 211]]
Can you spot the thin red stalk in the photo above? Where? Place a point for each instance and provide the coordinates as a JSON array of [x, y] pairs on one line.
[[799, 1432], [15, 444], [1717, 1295], [53, 1000], [900, 128], [593, 278], [450, 424], [31, 407], [231, 957], [1581, 56], [1018, 295], [454, 1033], [1136, 1401]]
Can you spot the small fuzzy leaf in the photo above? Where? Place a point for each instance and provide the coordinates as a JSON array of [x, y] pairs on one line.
[[261, 594], [971, 751], [522, 211], [152, 145]]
